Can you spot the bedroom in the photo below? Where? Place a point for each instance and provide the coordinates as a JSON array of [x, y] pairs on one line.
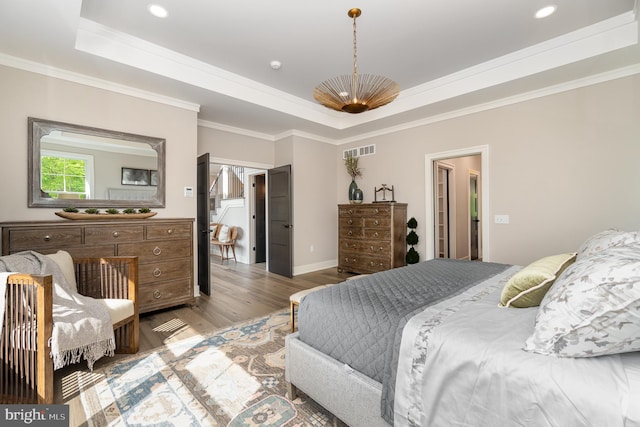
[[561, 165]]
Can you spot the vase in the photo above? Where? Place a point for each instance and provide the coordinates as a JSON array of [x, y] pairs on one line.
[[352, 190], [358, 196]]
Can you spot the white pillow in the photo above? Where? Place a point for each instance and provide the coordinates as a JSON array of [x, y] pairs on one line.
[[224, 234], [593, 308], [65, 262], [213, 229], [607, 239]]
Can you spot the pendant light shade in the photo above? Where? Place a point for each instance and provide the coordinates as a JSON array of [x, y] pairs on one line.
[[358, 92]]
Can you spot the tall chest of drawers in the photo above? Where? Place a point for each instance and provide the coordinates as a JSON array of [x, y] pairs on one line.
[[372, 237], [164, 248]]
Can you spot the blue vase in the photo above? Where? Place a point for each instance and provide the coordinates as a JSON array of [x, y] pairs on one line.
[[352, 190], [358, 196]]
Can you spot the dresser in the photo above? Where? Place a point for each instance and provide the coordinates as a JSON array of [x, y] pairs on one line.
[[372, 237], [164, 248]]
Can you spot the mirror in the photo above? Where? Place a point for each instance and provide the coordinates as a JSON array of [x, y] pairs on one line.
[[81, 166]]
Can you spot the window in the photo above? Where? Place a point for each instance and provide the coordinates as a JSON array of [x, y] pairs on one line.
[[66, 175]]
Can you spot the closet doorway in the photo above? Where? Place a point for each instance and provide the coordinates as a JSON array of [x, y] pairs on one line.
[[456, 211]]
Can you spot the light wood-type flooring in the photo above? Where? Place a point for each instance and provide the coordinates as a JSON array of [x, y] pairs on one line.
[[239, 292]]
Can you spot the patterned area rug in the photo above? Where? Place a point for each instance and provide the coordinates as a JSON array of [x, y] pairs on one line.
[[234, 377]]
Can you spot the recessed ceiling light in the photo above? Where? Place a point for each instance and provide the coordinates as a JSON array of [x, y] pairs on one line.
[[275, 65], [158, 11], [545, 11]]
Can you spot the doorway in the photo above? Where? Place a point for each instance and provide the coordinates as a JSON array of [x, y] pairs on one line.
[[457, 223]]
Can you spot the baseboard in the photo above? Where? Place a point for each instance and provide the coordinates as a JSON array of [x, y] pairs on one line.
[[309, 268]]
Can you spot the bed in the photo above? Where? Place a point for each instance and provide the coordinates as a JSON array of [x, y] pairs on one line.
[[447, 342]]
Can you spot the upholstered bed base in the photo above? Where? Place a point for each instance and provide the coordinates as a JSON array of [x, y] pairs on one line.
[[349, 395]]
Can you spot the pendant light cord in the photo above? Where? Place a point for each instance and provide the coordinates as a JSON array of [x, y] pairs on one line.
[[355, 61]]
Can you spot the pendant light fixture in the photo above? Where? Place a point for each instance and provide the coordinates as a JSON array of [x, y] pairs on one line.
[[358, 92]]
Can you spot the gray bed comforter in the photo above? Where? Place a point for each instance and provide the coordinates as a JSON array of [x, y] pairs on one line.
[[360, 322]]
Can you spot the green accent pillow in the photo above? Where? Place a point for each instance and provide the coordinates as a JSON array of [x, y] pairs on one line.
[[528, 286]]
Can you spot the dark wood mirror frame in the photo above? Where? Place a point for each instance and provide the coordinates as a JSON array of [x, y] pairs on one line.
[[39, 127]]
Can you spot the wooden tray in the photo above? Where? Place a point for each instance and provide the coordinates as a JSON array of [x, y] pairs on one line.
[[103, 216]]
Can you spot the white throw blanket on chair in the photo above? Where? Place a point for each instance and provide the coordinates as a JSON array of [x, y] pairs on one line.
[[81, 325]]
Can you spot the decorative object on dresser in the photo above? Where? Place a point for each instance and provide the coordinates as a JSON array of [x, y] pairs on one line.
[[164, 248], [354, 171], [384, 190], [371, 237], [412, 239]]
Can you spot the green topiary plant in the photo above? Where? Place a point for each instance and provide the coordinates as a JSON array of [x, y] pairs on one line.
[[113, 211], [92, 211], [144, 210], [129, 211], [412, 239], [70, 209]]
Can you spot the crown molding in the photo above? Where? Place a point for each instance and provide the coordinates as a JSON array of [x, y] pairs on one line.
[[602, 37], [70, 76], [236, 130]]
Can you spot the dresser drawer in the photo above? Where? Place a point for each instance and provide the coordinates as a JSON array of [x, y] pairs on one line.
[[373, 233], [157, 251], [167, 270], [113, 234], [366, 247], [377, 222], [352, 232], [380, 210], [165, 294], [168, 231], [360, 262], [43, 238]]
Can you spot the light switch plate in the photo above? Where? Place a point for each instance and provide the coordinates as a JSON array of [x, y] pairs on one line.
[[501, 219], [188, 191]]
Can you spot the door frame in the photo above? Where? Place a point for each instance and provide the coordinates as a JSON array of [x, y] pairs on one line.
[[478, 176], [483, 151], [263, 167], [451, 206]]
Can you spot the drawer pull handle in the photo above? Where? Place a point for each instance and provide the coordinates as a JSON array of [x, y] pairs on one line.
[[157, 251], [350, 222], [376, 211], [350, 233], [115, 234], [157, 294], [376, 222], [350, 211], [376, 234], [157, 272], [381, 249], [169, 231], [47, 238]]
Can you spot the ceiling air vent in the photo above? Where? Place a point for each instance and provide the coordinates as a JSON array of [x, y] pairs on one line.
[[367, 150]]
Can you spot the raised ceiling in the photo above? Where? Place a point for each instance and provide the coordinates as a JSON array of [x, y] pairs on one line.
[[447, 56]]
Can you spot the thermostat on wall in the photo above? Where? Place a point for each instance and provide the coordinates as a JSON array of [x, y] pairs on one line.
[[188, 191]]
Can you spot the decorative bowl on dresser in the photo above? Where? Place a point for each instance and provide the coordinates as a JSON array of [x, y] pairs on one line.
[[371, 237], [164, 248]]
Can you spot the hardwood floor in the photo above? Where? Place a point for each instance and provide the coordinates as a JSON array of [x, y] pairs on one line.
[[239, 292]]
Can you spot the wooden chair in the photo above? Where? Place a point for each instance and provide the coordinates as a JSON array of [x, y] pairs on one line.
[[225, 245], [26, 368]]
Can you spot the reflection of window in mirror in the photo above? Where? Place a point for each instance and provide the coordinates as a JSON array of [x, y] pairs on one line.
[[66, 175]]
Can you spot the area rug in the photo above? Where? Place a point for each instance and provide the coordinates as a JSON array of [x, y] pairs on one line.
[[233, 377]]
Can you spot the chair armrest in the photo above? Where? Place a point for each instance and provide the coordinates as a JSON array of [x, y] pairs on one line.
[[109, 277], [25, 296]]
